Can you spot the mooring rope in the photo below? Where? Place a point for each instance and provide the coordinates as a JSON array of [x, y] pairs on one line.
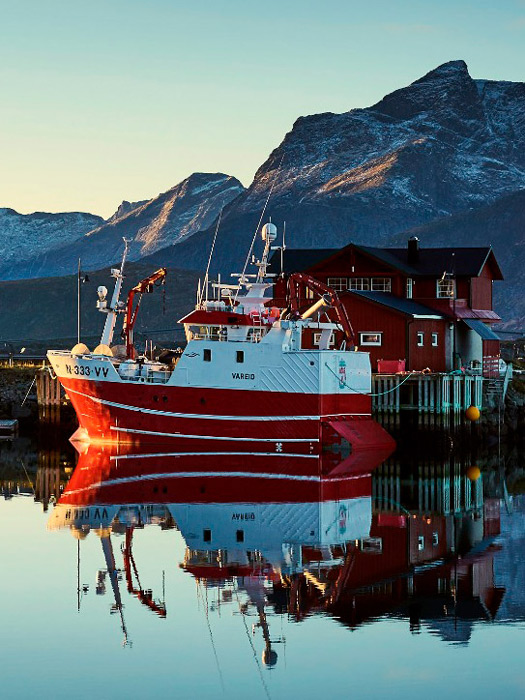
[[380, 393]]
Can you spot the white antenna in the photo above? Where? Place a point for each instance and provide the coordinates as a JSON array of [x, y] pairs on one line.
[[206, 276], [243, 273]]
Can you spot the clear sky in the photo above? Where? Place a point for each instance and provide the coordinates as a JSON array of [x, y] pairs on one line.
[[121, 99]]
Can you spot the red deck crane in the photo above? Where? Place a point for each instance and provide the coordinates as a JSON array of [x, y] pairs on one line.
[[145, 596], [329, 296], [145, 286]]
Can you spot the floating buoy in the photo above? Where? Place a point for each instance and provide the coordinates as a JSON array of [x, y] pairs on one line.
[[472, 413], [473, 473]]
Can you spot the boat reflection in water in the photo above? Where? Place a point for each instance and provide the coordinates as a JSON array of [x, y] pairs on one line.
[[299, 535]]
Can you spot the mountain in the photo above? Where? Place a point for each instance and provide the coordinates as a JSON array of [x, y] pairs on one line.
[[26, 235], [171, 217], [445, 145], [505, 217], [56, 317]]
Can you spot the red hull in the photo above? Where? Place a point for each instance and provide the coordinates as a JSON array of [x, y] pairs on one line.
[[106, 477], [221, 420]]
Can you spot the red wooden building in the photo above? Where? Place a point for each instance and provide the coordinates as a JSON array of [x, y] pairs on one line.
[[410, 307]]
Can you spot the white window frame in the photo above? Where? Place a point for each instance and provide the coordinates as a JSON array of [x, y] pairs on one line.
[[381, 284], [338, 284], [446, 288], [317, 339], [410, 287], [434, 339], [420, 339], [378, 343], [359, 284]]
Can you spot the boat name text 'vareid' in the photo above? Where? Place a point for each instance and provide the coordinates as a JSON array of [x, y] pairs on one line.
[[239, 375]]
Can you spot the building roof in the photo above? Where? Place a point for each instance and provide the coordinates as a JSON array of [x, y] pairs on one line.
[[299, 259], [404, 306], [463, 262], [481, 329]]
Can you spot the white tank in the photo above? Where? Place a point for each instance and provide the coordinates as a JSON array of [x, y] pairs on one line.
[[269, 232]]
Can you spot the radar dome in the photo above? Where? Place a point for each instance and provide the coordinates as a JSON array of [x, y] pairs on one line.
[[80, 349], [269, 232], [103, 349]]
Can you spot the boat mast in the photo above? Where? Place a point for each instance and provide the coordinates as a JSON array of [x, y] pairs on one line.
[[109, 326]]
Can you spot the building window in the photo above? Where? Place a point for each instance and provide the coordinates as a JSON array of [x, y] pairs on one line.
[[359, 283], [338, 284], [381, 284], [370, 338], [206, 355], [410, 285], [435, 340], [206, 535], [446, 288], [420, 339], [317, 340], [240, 355], [240, 536]]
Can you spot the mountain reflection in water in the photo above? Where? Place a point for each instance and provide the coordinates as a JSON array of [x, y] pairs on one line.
[[357, 539]]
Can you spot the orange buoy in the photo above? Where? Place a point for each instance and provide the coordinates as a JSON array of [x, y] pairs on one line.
[[472, 413], [473, 473]]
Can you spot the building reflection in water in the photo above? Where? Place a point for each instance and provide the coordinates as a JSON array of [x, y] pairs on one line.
[[357, 538]]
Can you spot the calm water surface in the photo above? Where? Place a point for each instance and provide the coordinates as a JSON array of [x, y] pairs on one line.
[[167, 576]]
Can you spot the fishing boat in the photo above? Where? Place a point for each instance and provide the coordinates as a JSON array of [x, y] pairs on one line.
[[245, 381]]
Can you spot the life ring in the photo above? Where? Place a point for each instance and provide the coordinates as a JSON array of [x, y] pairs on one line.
[[427, 370]]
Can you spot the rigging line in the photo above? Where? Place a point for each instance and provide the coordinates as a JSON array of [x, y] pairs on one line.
[[252, 646], [380, 393], [205, 284], [27, 475], [258, 225], [30, 387], [206, 612]]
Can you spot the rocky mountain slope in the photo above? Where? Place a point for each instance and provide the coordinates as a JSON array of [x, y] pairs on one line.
[[24, 236], [445, 145], [502, 225], [171, 217], [56, 316]]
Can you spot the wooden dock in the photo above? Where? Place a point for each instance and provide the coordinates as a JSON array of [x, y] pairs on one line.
[[426, 393]]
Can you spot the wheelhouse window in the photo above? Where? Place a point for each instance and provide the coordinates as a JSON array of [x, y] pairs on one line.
[[359, 283], [371, 338], [338, 284], [420, 339], [435, 340], [410, 286], [240, 355], [381, 284], [446, 288], [206, 355]]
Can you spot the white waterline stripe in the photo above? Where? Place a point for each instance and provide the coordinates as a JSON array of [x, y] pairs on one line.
[[192, 475], [213, 454], [212, 437], [205, 416]]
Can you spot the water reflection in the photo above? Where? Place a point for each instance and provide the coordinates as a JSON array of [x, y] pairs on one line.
[[356, 538]]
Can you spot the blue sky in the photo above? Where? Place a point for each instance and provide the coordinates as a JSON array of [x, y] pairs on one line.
[[110, 99]]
